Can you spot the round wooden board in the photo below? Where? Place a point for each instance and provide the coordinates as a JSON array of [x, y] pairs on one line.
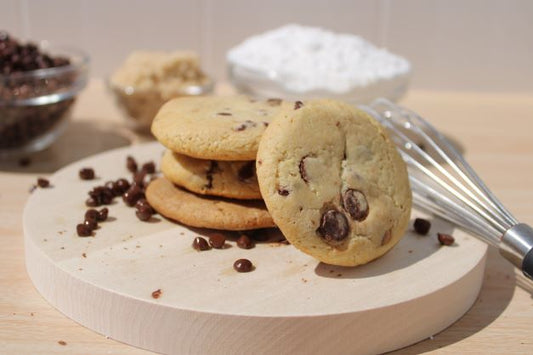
[[289, 304]]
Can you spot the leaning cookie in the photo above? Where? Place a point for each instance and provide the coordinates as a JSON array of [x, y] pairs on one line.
[[334, 183], [215, 127], [206, 212], [231, 179]]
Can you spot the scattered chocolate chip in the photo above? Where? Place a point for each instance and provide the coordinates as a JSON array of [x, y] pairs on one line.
[[102, 214], [42, 182], [157, 293], [142, 202], [283, 192], [445, 239], [247, 171], [224, 114], [91, 215], [144, 212], [244, 242], [303, 172], [102, 195], [110, 185], [200, 244], [217, 240], [86, 173], [91, 224], [422, 226], [139, 178], [386, 237], [274, 102], [333, 226], [62, 342], [133, 194], [265, 124], [83, 230], [243, 265], [91, 202], [120, 186], [131, 164], [354, 202], [298, 104], [148, 167]]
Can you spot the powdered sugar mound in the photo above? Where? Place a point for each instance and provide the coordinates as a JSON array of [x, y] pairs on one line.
[[309, 58]]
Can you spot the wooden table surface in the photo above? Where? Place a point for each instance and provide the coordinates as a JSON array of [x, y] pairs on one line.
[[493, 129]]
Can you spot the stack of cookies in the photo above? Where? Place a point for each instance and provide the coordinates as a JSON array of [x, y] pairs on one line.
[[209, 165], [328, 176]]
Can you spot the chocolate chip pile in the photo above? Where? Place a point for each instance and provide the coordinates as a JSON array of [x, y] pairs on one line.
[[21, 124], [132, 194]]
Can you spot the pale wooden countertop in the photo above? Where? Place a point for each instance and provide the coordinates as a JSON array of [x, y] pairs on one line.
[[494, 129]]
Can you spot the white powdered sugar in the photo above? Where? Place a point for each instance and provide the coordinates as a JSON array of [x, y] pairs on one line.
[[310, 58]]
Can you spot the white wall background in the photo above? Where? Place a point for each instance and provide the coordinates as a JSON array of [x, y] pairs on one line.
[[468, 45]]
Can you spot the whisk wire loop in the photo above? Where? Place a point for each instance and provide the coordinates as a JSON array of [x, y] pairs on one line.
[[443, 183]]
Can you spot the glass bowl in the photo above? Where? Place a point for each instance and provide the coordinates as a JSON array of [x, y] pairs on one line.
[[139, 106], [269, 84], [35, 105]]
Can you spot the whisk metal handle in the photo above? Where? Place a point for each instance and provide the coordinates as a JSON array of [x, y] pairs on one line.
[[516, 245]]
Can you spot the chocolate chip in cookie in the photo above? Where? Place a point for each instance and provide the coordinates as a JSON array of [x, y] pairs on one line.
[[334, 226], [303, 172], [247, 171], [354, 202], [387, 236]]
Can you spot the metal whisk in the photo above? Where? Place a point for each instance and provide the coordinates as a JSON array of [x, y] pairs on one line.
[[444, 184]]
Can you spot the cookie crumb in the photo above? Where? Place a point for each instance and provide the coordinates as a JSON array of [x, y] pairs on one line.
[[42, 182], [84, 255], [157, 293], [62, 342]]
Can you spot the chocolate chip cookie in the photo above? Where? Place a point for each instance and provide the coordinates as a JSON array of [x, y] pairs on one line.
[[333, 182], [232, 179], [215, 127], [206, 211]]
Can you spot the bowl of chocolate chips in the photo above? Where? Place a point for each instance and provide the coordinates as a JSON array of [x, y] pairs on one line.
[[38, 87]]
